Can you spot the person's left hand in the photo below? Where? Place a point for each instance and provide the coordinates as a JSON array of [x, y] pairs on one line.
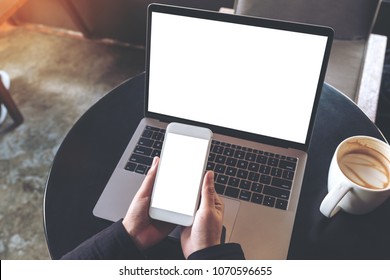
[[145, 231]]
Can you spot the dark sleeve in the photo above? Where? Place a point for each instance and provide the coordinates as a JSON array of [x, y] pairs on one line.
[[113, 243], [227, 251]]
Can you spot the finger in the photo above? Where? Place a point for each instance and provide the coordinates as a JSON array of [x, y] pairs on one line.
[[218, 203], [208, 190], [147, 184]]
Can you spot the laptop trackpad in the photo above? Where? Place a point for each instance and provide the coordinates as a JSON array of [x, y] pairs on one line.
[[231, 210], [229, 218]]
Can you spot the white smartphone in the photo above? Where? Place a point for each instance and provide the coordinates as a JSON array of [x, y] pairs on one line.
[[183, 161]]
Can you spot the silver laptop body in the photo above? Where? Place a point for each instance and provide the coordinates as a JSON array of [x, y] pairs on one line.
[[254, 82]]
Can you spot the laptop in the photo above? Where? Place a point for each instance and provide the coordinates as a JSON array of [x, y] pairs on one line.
[[256, 84]]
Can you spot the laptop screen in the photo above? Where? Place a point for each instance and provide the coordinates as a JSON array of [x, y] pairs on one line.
[[254, 79]]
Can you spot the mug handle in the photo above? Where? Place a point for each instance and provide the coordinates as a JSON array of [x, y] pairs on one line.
[[330, 205]]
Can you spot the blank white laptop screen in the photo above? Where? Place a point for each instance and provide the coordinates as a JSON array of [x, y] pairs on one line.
[[247, 78]]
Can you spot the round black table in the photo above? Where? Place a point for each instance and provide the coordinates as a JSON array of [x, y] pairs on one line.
[[92, 148]]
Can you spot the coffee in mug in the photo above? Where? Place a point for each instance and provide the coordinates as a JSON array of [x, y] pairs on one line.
[[359, 176], [365, 166]]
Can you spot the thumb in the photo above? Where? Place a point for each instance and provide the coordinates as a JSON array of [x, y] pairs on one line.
[[208, 190], [147, 185]]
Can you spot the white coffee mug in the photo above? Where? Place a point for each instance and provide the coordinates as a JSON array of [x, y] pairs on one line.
[[359, 175]]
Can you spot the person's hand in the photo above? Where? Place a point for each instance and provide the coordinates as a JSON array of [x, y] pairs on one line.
[[207, 227], [145, 231]]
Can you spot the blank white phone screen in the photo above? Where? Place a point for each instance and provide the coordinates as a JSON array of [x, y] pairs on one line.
[[180, 173]]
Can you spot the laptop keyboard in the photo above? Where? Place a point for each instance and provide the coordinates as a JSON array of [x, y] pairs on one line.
[[243, 173]]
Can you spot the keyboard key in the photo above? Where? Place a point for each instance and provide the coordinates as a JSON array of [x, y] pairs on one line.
[[243, 174], [147, 133], [254, 166], [141, 169], [130, 166], [232, 192], [281, 183], [276, 172], [220, 159], [233, 182], [225, 144], [257, 198], [145, 142], [242, 164], [220, 189], [276, 192], [158, 136], [210, 166], [265, 179], [281, 204], [148, 127], [247, 149], [228, 152], [244, 184], [239, 154], [156, 153], [245, 195], [212, 157], [143, 150], [269, 201], [287, 165], [289, 175], [261, 159], [231, 161], [217, 150], [292, 159], [231, 171], [141, 159], [250, 157], [256, 187], [253, 176], [222, 179], [264, 169], [219, 168], [273, 161], [158, 145]]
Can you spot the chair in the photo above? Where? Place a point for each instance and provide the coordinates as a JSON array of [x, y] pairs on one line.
[[7, 9], [357, 56], [7, 102]]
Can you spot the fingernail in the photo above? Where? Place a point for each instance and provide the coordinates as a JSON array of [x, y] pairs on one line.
[[154, 161], [211, 176]]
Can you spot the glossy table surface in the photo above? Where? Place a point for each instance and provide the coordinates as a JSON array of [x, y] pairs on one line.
[[92, 148]]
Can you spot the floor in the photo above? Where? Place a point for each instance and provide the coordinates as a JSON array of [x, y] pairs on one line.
[[55, 77], [382, 27], [383, 113]]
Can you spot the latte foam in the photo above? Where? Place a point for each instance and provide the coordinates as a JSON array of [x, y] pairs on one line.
[[366, 169]]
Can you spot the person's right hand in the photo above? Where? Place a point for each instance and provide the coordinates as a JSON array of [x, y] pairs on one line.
[[207, 227], [145, 231]]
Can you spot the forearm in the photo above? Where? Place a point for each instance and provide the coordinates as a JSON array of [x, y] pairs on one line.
[[113, 243], [228, 251]]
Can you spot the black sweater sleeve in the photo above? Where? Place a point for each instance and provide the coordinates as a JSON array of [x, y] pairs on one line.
[[227, 251], [114, 243]]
